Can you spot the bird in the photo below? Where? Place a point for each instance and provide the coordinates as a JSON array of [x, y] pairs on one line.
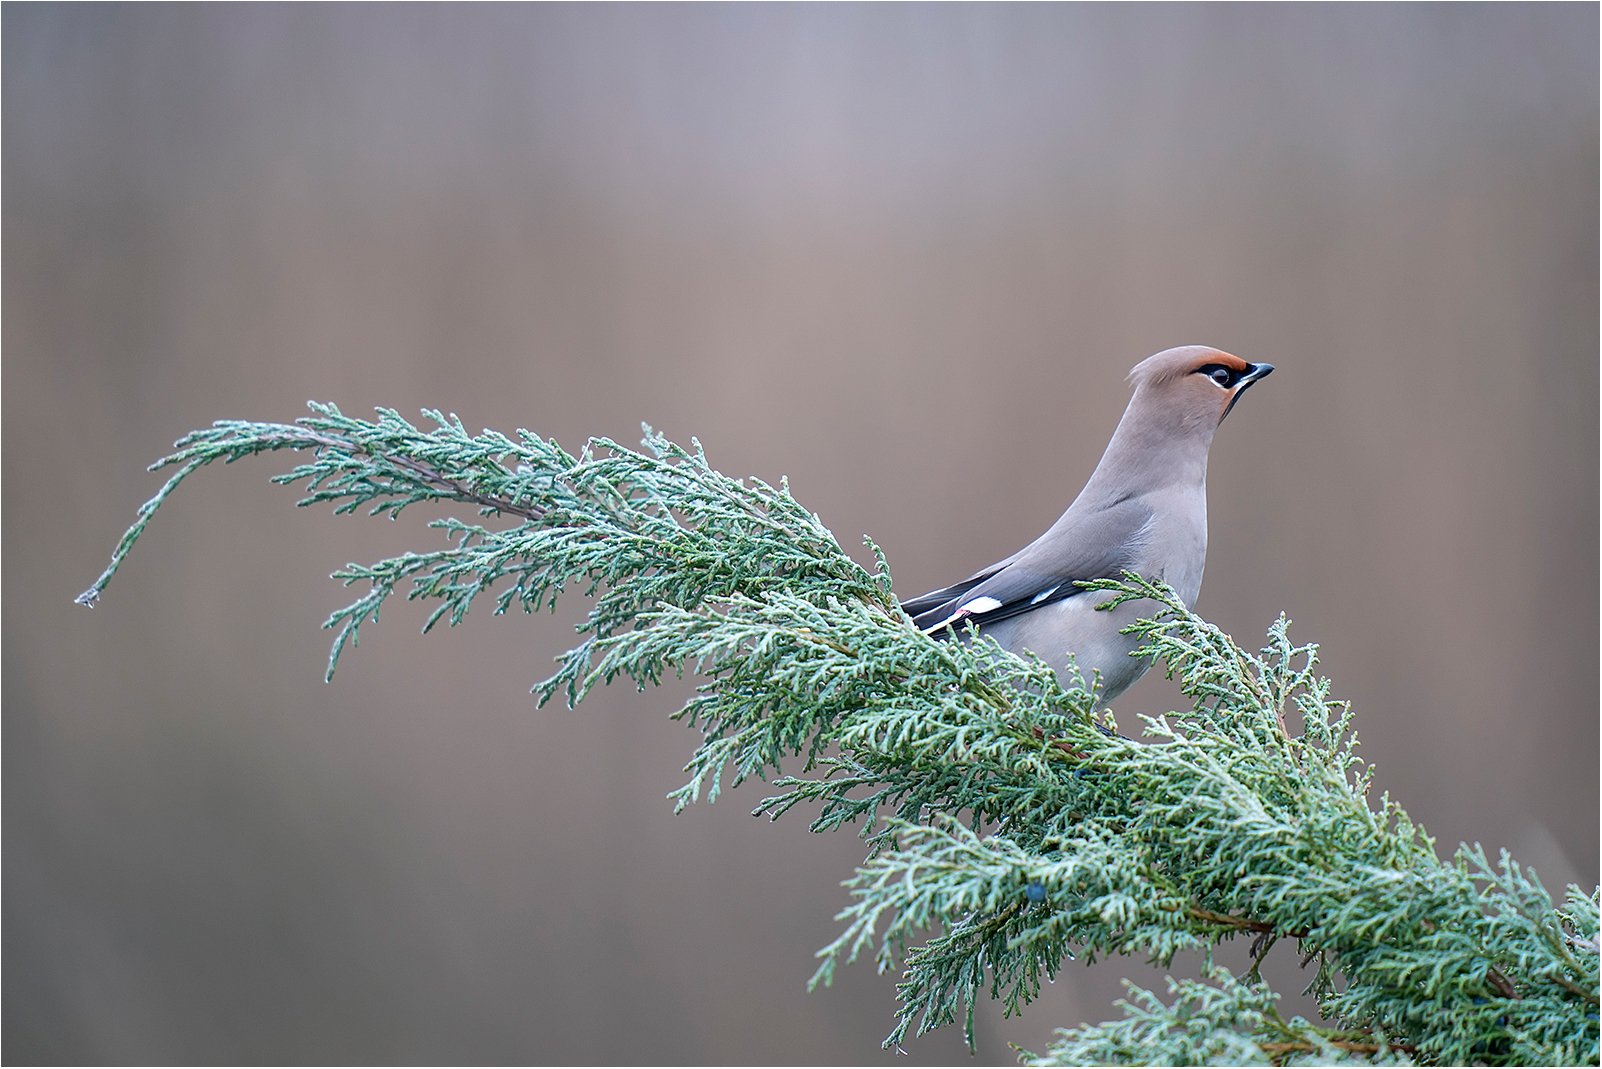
[[1144, 510]]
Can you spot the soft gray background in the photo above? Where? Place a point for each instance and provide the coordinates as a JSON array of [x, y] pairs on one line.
[[904, 255]]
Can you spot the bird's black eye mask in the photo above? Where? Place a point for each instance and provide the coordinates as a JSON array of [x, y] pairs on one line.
[[1223, 377], [1228, 378]]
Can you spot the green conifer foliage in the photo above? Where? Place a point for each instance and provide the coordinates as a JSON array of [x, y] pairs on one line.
[[1007, 827]]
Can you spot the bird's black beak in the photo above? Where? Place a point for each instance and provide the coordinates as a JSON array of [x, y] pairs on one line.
[[1255, 372]]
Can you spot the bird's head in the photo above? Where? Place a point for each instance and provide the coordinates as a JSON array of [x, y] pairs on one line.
[[1193, 385]]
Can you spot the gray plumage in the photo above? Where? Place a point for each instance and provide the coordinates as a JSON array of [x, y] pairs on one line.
[[1144, 510]]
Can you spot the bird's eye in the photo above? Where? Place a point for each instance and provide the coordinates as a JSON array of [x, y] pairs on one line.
[[1223, 376]]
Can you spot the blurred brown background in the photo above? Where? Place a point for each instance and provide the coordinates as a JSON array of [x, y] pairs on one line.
[[905, 256]]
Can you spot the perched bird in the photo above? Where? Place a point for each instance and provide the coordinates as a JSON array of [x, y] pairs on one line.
[[1144, 510]]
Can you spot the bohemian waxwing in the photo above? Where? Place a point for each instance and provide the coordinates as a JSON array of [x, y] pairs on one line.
[[1144, 510]]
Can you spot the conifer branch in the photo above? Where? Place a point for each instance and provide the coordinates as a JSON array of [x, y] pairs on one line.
[[1006, 825]]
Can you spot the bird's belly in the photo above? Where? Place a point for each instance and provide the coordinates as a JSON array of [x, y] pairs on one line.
[[1074, 627]]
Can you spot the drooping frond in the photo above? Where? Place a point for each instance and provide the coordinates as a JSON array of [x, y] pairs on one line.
[[1008, 828]]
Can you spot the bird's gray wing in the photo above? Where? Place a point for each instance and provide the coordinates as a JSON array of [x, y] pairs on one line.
[[1096, 544], [923, 603]]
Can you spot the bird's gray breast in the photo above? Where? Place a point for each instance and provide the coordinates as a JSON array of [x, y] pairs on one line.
[[1174, 548], [1171, 546]]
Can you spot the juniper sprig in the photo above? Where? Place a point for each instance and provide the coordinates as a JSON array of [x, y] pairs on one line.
[[1008, 827]]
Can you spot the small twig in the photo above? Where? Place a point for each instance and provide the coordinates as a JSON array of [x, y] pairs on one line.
[[1260, 948], [457, 490], [299, 438], [1501, 983], [1241, 922], [1061, 745], [1224, 918], [1573, 988], [1355, 1048]]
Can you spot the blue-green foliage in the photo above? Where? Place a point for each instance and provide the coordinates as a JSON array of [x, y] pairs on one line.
[[1007, 827], [1225, 1023]]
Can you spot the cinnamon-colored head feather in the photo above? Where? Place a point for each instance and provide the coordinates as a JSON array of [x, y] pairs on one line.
[[1171, 364]]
